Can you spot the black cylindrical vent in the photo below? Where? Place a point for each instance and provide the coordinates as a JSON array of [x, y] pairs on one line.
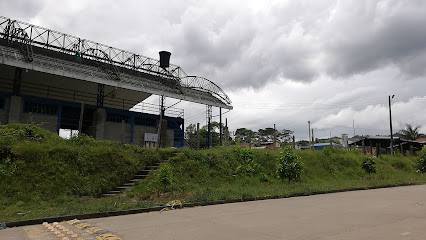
[[164, 59]]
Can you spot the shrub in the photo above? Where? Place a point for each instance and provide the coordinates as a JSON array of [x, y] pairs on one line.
[[83, 140], [289, 165], [421, 163], [369, 165], [164, 178], [263, 177], [247, 164]]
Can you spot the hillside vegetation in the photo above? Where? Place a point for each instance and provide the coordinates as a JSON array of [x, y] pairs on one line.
[[236, 173], [37, 166], [44, 175]]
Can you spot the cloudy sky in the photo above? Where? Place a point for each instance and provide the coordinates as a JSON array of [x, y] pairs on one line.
[[330, 62]]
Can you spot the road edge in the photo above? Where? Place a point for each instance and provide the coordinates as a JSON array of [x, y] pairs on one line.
[[185, 205]]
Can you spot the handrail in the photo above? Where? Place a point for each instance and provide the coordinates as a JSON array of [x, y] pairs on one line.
[[71, 45], [90, 98]]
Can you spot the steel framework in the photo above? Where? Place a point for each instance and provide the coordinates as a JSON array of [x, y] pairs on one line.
[[29, 36], [209, 116]]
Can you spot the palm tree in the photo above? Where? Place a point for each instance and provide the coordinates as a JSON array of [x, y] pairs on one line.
[[411, 133]]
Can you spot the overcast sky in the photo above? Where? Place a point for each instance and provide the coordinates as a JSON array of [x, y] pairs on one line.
[[330, 62]]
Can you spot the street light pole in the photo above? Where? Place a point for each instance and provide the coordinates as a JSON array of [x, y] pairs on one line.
[[390, 121]]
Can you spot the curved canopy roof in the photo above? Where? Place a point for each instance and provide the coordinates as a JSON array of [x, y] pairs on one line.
[[57, 53]]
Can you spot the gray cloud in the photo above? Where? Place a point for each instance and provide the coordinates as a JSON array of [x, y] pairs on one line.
[[390, 32], [329, 54], [236, 46], [23, 10]]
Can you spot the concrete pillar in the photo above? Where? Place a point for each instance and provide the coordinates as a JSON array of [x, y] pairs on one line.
[[15, 109], [363, 145], [163, 133], [100, 118]]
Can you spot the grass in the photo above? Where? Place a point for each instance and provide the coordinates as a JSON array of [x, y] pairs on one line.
[[42, 175]]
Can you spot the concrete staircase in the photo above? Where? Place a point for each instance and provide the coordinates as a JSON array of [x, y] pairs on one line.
[[137, 178]]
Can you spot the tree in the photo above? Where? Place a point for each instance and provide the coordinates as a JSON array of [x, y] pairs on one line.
[[243, 134], [289, 165], [164, 178], [267, 132], [369, 165], [191, 135], [302, 143], [410, 132], [285, 136], [421, 163]]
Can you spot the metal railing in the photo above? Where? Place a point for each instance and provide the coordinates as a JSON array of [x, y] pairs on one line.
[[57, 93], [85, 49]]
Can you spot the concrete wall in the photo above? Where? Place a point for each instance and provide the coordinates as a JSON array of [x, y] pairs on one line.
[[139, 134], [48, 122], [15, 109], [102, 129], [4, 113], [117, 132], [113, 131], [99, 124], [170, 138]]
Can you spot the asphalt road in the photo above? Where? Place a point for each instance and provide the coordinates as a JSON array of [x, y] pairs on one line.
[[392, 213]]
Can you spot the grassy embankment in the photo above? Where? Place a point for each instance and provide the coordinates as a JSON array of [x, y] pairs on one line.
[[43, 175]]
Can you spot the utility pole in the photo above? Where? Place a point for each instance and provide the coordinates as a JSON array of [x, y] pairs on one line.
[[353, 126], [226, 132], [363, 145], [220, 126], [313, 139], [390, 121], [80, 122], [309, 131], [209, 129], [275, 138], [160, 123], [198, 136]]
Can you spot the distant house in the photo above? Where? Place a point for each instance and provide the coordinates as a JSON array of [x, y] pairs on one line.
[[270, 145], [321, 146], [244, 145], [421, 141], [373, 145], [263, 145]]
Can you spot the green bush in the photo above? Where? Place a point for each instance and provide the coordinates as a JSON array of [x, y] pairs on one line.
[[247, 164], [83, 140], [369, 165], [164, 178], [289, 165], [38, 164], [421, 163], [263, 177]]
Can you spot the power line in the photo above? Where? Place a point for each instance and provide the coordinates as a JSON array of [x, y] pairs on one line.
[[195, 116], [372, 129]]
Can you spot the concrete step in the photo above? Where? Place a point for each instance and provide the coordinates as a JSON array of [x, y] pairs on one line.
[[140, 176], [135, 180], [113, 191], [108, 194]]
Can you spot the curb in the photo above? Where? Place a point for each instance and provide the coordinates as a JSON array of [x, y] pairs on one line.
[[185, 205]]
